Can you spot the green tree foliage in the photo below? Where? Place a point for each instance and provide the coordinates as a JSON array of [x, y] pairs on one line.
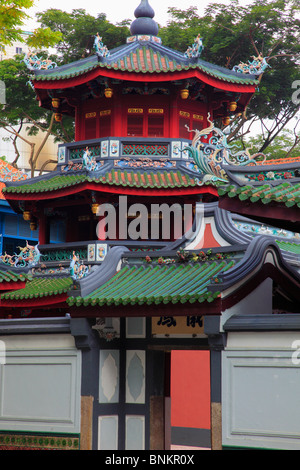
[[22, 112], [12, 17], [287, 144], [78, 29]]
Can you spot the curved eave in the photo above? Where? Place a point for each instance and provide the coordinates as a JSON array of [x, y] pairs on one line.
[[228, 83], [275, 214], [178, 309], [277, 205], [115, 189], [34, 302], [13, 285]]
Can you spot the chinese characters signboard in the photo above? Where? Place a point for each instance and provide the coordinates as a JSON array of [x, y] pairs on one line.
[[178, 326]]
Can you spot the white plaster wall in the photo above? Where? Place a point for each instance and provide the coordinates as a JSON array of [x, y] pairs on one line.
[[261, 390], [40, 383]]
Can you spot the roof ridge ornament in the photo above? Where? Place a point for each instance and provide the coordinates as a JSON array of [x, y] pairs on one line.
[[212, 155], [33, 62], [256, 67], [196, 49], [28, 257], [101, 50], [78, 270], [144, 23]]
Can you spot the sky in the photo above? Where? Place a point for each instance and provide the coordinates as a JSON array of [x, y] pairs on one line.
[[118, 10]]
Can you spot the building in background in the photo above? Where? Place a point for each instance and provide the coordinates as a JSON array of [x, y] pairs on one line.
[[6, 147]]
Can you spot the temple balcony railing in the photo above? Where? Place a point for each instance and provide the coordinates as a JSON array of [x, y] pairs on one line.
[[58, 255], [55, 259], [121, 150]]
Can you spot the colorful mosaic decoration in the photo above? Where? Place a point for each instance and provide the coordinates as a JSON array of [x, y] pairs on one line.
[[143, 37], [273, 175], [29, 256], [37, 442], [88, 161], [33, 62], [9, 173], [264, 230], [196, 49], [255, 67], [183, 256], [99, 47], [212, 155], [144, 163], [78, 270]]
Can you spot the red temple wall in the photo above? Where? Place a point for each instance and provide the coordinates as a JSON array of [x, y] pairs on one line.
[[190, 389]]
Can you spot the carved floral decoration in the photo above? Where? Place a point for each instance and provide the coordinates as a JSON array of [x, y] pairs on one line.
[[196, 49], [78, 270], [33, 62], [212, 155], [28, 256], [99, 47], [255, 67]]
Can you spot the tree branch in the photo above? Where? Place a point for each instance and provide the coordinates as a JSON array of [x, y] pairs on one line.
[[11, 130], [252, 42], [47, 162], [17, 153]]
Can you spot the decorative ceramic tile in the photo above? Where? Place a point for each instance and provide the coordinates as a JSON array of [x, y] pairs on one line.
[[38, 442], [175, 149], [101, 251], [91, 252], [184, 153], [104, 148], [61, 158], [114, 148]]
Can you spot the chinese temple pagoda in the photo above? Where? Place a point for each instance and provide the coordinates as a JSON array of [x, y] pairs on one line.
[[89, 324]]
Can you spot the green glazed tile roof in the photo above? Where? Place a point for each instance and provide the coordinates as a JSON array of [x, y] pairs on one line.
[[284, 193], [49, 184], [138, 285], [119, 178], [40, 287], [9, 276], [289, 246], [142, 59]]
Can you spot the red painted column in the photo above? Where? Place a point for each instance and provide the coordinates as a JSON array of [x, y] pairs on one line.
[[116, 125], [173, 119], [43, 230]]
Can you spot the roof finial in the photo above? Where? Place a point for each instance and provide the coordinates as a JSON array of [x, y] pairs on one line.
[[144, 23]]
